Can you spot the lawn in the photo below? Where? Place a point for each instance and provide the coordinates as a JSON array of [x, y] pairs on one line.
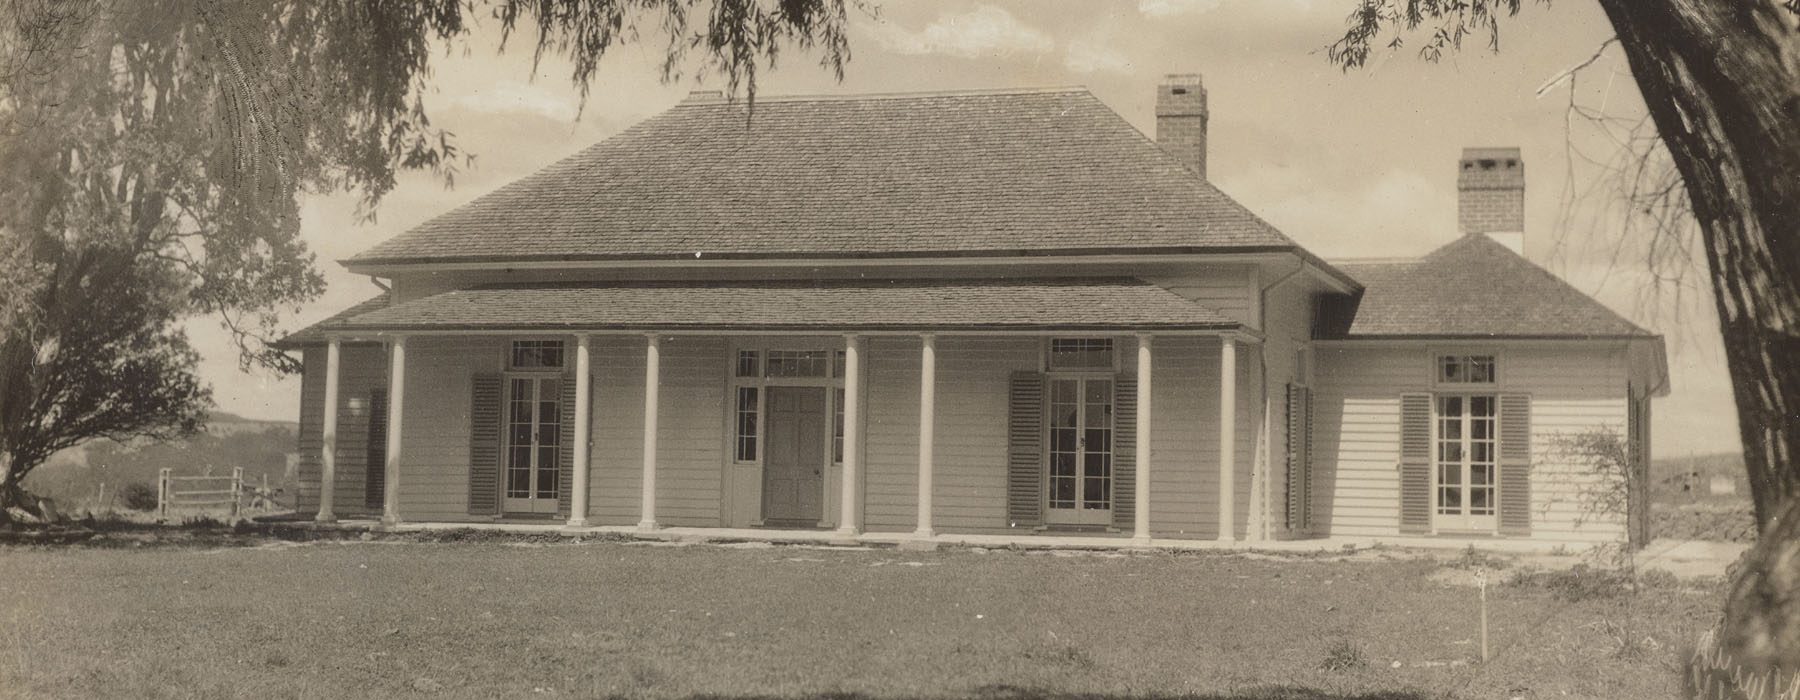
[[521, 619]]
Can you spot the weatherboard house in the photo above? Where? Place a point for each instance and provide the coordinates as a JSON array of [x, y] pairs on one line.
[[985, 316]]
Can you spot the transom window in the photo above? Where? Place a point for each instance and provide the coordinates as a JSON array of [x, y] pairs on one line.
[[756, 369], [1081, 353], [1466, 369], [535, 354]]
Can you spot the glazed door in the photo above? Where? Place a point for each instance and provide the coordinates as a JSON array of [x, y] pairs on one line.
[[1466, 474], [1079, 491], [533, 434]]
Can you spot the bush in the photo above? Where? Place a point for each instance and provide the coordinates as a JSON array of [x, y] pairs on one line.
[[138, 496]]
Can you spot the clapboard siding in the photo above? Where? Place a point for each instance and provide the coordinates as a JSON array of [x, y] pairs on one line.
[[362, 368], [1184, 436], [434, 438], [970, 474], [690, 435], [891, 435], [617, 429], [1573, 389], [1223, 288]]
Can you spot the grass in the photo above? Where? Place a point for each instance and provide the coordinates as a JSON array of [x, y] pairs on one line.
[[535, 619]]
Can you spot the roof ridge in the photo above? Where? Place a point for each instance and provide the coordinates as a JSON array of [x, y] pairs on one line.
[[700, 97]]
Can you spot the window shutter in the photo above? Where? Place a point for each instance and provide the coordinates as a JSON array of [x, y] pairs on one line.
[[484, 444], [565, 445], [1124, 452], [1515, 464], [1299, 458], [375, 469], [1415, 463], [1025, 450]]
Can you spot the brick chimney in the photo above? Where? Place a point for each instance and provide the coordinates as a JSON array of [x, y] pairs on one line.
[[1181, 119], [1490, 195]]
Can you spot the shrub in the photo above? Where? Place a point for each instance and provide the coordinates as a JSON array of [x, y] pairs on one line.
[[138, 496]]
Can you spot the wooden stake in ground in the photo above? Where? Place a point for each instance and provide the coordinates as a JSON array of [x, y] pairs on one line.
[[1481, 585]]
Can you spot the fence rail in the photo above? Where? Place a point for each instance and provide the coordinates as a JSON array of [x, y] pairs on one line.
[[180, 492]]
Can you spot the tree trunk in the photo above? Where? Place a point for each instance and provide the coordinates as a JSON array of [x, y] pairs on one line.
[[1721, 79]]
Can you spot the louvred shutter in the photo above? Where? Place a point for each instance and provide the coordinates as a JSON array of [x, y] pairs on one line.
[[1415, 463], [1299, 458], [375, 469], [1124, 452], [1025, 450], [565, 445], [484, 444], [1515, 464]]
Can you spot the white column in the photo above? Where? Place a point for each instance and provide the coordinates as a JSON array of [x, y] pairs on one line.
[[1141, 531], [328, 452], [847, 521], [927, 427], [578, 499], [1227, 438], [652, 383], [390, 512]]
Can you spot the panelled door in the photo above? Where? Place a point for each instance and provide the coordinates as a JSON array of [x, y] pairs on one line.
[[533, 434], [1079, 491], [1466, 439], [794, 456]]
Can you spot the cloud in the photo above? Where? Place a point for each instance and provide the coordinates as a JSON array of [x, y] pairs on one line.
[[1171, 8], [1090, 57], [513, 97], [982, 32]]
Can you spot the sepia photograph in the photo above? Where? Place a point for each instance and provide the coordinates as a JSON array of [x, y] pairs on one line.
[[865, 349]]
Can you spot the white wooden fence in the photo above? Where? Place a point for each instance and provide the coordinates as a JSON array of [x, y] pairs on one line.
[[199, 492]]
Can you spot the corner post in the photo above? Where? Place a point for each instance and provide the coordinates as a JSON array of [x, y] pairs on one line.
[[328, 451], [652, 404], [927, 427], [578, 486], [1227, 438], [847, 519], [390, 512]]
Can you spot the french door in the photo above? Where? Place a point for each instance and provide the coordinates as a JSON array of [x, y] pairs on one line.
[[533, 436], [1079, 491], [1466, 473]]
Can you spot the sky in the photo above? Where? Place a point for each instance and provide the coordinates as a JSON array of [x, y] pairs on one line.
[[1350, 164]]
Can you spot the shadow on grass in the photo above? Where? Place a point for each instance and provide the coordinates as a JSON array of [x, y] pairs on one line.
[[1008, 692]]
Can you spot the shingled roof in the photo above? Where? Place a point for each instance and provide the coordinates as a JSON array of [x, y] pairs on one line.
[[982, 173], [1472, 287], [930, 304]]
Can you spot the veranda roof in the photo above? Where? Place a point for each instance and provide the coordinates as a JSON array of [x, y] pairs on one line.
[[1085, 304]]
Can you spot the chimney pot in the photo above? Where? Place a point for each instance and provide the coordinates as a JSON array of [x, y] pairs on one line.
[[1181, 119]]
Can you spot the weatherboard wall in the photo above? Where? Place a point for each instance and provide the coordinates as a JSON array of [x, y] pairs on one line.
[[1574, 388]]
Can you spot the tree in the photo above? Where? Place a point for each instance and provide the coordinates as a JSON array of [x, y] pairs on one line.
[[153, 152], [1721, 81]]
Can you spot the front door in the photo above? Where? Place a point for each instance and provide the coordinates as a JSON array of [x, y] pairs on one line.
[[1081, 431], [1466, 470], [794, 457], [533, 435]]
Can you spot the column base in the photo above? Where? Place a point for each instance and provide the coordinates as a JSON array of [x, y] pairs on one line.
[[1227, 539], [924, 533], [849, 531], [648, 526], [325, 518], [576, 523], [1141, 540]]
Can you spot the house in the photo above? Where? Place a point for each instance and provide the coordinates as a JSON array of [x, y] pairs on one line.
[[1003, 313]]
